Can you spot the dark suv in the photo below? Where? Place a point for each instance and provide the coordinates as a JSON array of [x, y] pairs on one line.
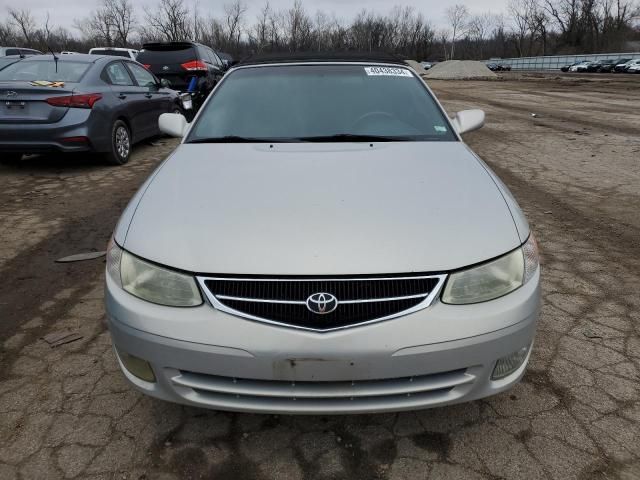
[[189, 66]]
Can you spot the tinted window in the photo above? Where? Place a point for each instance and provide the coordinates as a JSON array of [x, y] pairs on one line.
[[111, 53], [65, 71], [320, 101], [143, 77], [166, 57], [203, 54], [216, 59], [12, 51], [118, 74]]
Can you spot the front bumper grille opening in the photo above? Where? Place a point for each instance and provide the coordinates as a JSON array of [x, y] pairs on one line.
[[309, 396], [359, 300]]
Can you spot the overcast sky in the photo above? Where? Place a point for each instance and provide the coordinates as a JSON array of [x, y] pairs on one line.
[[63, 12]]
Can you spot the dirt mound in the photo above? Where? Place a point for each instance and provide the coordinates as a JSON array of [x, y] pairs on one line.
[[417, 67], [459, 70]]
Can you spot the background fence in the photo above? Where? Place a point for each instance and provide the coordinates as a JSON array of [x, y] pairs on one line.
[[556, 62]]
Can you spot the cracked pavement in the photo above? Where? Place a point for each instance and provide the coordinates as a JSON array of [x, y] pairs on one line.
[[67, 412]]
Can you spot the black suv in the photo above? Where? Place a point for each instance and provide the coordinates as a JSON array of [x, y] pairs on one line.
[[189, 66]]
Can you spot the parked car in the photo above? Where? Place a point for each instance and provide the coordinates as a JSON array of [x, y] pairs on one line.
[[593, 66], [78, 103], [505, 67], [227, 60], [602, 66], [336, 252], [566, 68], [67, 52], [188, 66], [4, 51], [494, 67], [621, 65], [426, 65], [633, 66], [115, 52], [581, 67]]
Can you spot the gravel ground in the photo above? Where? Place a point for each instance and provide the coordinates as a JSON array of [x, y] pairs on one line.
[[66, 412]]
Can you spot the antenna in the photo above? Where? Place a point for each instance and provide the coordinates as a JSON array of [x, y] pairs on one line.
[[55, 58]]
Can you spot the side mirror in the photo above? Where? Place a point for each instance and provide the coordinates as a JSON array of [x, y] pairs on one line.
[[173, 124], [468, 121], [164, 83]]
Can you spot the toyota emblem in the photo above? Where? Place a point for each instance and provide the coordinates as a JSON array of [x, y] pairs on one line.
[[322, 303]]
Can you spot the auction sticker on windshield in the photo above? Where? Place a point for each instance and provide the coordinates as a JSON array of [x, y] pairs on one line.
[[387, 71]]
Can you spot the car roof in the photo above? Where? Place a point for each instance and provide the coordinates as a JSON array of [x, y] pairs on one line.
[[328, 57]]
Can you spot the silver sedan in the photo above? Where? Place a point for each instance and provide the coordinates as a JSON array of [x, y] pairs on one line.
[[322, 241]]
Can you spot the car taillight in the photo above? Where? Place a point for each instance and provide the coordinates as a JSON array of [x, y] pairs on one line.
[[85, 100], [146, 65], [195, 66]]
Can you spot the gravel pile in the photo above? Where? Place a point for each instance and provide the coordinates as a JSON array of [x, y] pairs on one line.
[[459, 70], [417, 67]]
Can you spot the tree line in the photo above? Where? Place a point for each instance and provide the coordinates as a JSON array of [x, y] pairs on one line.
[[526, 28]]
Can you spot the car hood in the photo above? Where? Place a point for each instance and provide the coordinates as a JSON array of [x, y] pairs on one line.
[[320, 209]]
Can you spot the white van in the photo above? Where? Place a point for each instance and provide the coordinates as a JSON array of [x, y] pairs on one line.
[[115, 52]]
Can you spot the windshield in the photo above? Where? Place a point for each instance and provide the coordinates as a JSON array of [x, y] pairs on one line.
[[66, 71], [321, 103]]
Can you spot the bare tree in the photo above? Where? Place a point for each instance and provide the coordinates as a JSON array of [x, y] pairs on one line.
[[457, 15], [110, 25], [170, 21], [24, 21], [234, 19], [123, 19], [260, 34], [299, 27], [480, 26]]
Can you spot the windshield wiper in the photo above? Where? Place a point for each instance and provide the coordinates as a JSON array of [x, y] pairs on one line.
[[239, 139], [352, 137]]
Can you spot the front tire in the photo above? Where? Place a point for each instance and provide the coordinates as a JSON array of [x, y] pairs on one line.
[[120, 144]]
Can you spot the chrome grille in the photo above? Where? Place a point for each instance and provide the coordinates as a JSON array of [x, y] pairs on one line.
[[284, 301]]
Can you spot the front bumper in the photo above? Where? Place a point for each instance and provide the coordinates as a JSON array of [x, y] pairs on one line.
[[441, 355]]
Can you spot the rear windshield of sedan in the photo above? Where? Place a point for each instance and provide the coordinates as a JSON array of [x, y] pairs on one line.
[[307, 102], [65, 71]]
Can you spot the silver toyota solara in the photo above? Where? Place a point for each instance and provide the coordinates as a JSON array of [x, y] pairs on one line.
[[322, 241]]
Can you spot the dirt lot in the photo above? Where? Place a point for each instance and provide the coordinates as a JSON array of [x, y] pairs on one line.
[[575, 169]]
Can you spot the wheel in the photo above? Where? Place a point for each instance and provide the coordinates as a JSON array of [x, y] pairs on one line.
[[10, 157], [120, 144]]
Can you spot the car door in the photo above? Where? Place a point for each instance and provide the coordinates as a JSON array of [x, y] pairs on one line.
[[156, 98], [132, 98]]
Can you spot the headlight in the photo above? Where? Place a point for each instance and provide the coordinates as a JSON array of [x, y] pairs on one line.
[[151, 282], [493, 279]]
